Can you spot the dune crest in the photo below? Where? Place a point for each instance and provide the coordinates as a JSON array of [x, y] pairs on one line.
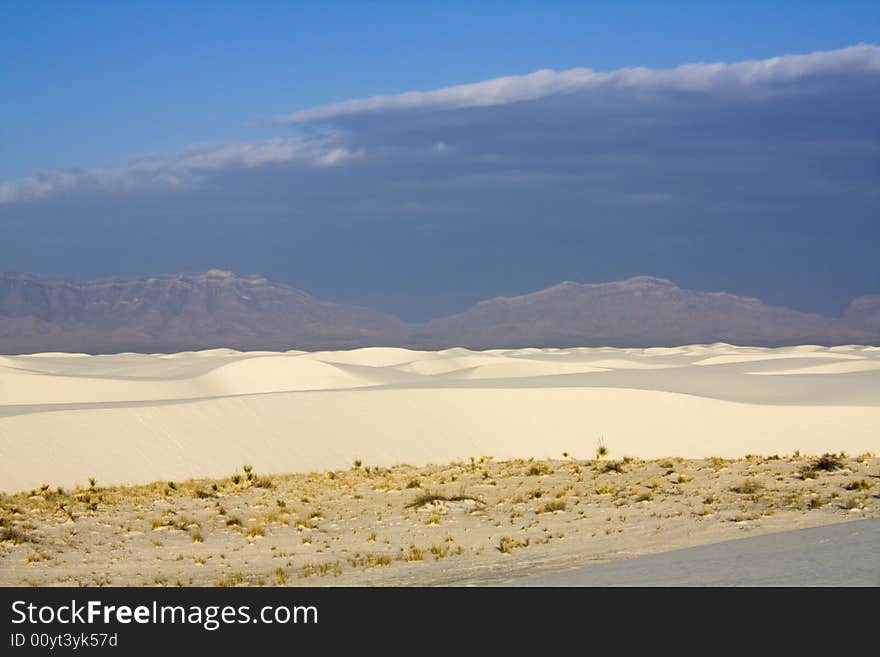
[[130, 418]]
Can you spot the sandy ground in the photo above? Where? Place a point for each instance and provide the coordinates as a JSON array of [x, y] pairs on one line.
[[477, 522], [137, 418], [82, 437]]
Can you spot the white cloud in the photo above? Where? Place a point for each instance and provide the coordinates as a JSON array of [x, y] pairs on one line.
[[338, 156], [573, 136], [181, 169], [706, 78]]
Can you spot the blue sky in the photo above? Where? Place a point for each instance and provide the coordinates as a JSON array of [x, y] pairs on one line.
[[139, 138], [89, 83]]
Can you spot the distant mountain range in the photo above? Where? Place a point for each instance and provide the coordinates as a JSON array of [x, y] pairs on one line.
[[216, 308], [645, 311], [179, 312]]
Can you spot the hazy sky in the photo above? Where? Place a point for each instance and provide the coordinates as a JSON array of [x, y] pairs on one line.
[[417, 159]]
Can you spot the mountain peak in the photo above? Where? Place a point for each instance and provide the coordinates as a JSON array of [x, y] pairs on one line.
[[645, 281], [864, 311], [219, 273], [565, 287]]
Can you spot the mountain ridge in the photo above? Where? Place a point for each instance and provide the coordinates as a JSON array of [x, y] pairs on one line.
[[176, 312], [216, 308], [639, 311]]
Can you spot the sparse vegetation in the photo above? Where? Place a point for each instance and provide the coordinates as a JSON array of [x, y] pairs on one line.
[[507, 544], [854, 502], [439, 551], [431, 498], [612, 466], [716, 462], [551, 506], [748, 487], [322, 569], [826, 463], [370, 560], [367, 525], [15, 536], [414, 554], [538, 469]]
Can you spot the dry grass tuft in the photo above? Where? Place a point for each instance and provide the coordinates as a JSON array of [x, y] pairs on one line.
[[748, 487], [508, 544]]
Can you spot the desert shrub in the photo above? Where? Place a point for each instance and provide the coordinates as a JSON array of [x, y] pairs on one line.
[[508, 544], [15, 535], [612, 466], [551, 506], [828, 462], [371, 560], [415, 554], [854, 503], [430, 498], [439, 551], [538, 469], [321, 569], [748, 487], [824, 463]]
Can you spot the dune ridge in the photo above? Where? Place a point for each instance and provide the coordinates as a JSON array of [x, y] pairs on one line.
[[134, 418]]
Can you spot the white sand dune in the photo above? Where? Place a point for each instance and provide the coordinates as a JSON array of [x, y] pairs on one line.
[[830, 368], [139, 379], [131, 418]]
